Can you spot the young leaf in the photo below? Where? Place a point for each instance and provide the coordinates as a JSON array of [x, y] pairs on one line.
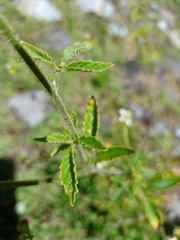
[[59, 148], [74, 119], [164, 183], [87, 66], [53, 138], [91, 118], [113, 152], [68, 176], [72, 51], [152, 214], [92, 142], [23, 228], [38, 53]]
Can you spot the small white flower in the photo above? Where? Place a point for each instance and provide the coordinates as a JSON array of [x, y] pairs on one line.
[[125, 117], [20, 207], [101, 165]]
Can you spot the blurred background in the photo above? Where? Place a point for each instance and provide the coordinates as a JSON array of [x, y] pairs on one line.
[[142, 39]]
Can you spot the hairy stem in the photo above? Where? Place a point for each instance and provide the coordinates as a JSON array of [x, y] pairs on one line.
[[52, 90], [81, 152], [25, 56], [56, 98]]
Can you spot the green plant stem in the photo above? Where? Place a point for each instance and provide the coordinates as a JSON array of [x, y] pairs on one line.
[[61, 108], [94, 171], [25, 56], [81, 152], [15, 184], [52, 90]]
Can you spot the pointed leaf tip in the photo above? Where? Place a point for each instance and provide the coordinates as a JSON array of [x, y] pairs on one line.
[[38, 53], [53, 138], [152, 214], [91, 118]]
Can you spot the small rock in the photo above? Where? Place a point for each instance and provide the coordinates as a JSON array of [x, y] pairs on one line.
[[31, 107], [166, 24], [177, 132], [169, 78], [124, 3], [155, 7], [159, 128], [118, 30], [173, 206], [142, 113], [174, 37], [57, 39], [173, 65], [42, 10], [132, 67], [163, 25], [168, 16], [90, 6], [133, 88], [108, 10], [100, 8]]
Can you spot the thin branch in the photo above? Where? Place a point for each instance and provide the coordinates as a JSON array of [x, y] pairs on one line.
[[55, 97], [25, 56], [94, 171], [15, 184]]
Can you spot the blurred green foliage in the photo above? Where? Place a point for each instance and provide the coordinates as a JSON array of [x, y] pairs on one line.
[[112, 202]]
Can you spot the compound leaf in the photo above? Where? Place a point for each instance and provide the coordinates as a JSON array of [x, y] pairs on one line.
[[92, 142], [71, 51], [68, 176], [113, 152], [38, 53], [91, 118], [53, 138], [87, 66]]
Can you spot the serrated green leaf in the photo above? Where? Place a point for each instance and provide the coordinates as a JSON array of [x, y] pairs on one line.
[[92, 142], [59, 148], [113, 152], [68, 176], [72, 51], [38, 53], [164, 183], [91, 118], [87, 66], [53, 138]]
